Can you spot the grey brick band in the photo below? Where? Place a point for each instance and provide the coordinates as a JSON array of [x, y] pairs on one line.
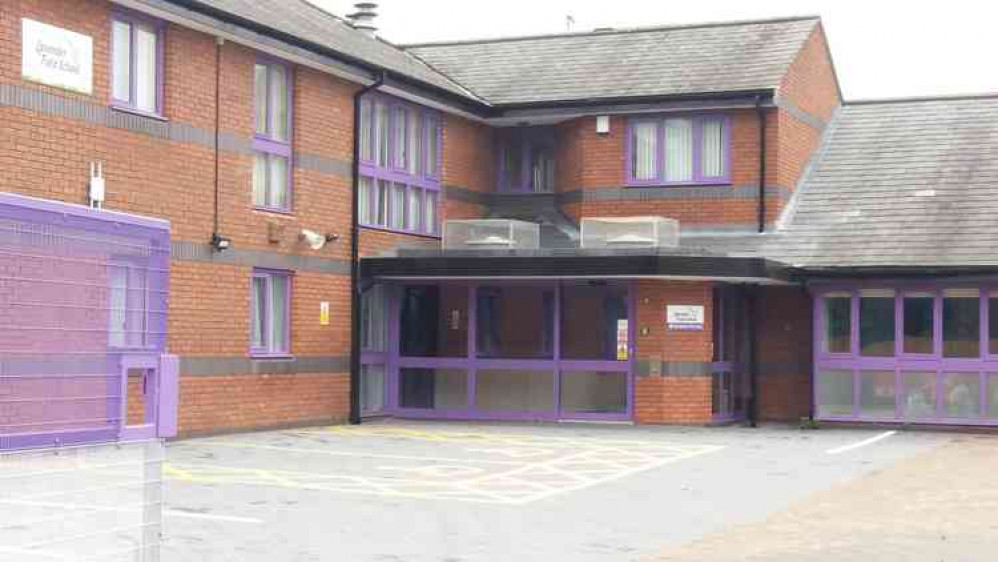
[[708, 192], [645, 368], [801, 115], [222, 366], [102, 115], [204, 253], [463, 194]]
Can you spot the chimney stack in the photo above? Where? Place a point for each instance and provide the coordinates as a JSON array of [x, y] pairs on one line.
[[363, 18]]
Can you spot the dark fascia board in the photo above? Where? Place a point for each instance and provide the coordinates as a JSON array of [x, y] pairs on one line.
[[819, 274], [765, 96], [634, 266], [700, 103], [371, 69]]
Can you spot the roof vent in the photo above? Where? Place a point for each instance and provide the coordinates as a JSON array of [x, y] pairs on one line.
[[603, 30], [363, 18], [630, 232], [491, 234]]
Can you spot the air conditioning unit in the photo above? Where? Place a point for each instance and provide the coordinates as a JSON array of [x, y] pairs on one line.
[[629, 232], [491, 234]]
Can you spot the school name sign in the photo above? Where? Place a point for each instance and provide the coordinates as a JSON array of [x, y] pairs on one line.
[[57, 57]]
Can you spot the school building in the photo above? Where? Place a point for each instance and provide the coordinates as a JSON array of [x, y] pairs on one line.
[[659, 225]]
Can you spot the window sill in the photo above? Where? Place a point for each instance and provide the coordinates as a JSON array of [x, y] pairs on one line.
[[402, 232], [138, 112], [718, 183], [272, 210], [271, 357]]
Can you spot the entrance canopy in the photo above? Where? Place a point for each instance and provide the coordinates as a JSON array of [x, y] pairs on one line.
[[576, 263]]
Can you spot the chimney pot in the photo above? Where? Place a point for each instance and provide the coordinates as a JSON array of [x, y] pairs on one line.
[[363, 18]]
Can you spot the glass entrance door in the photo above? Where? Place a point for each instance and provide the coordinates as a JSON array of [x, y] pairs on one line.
[[524, 351]]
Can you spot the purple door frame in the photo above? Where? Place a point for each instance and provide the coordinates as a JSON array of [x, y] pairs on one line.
[[471, 363]]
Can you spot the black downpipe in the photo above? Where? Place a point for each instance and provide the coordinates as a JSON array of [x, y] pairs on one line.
[[752, 303], [355, 256], [810, 357], [218, 127], [761, 112]]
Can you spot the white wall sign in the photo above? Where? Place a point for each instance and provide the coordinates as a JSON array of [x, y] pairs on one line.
[[684, 317], [57, 57]]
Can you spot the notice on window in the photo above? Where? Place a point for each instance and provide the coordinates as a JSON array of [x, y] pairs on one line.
[[684, 317], [324, 313], [622, 338], [57, 57]]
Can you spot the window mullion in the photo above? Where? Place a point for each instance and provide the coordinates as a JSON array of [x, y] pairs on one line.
[[696, 152], [132, 63], [660, 150], [268, 312]]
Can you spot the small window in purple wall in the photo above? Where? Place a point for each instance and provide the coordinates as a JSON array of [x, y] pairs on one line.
[[272, 169], [838, 323], [961, 323], [137, 63], [919, 322], [270, 304], [876, 323]]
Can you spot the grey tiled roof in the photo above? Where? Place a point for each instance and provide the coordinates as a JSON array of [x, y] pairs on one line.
[[309, 23], [900, 183], [694, 59]]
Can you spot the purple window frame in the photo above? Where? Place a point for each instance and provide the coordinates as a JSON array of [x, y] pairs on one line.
[[133, 18], [267, 323], [266, 143], [524, 140], [127, 265], [698, 178], [470, 363], [422, 181], [984, 366]]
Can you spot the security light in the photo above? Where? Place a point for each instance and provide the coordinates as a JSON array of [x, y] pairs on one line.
[[315, 240], [220, 243]]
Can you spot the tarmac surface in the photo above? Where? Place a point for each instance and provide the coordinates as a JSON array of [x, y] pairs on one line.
[[473, 492]]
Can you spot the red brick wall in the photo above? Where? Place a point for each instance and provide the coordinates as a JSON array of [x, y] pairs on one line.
[[588, 161], [784, 333], [262, 401], [48, 156], [672, 399], [810, 82], [811, 87]]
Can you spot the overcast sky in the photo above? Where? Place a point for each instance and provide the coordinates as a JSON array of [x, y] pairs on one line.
[[881, 48]]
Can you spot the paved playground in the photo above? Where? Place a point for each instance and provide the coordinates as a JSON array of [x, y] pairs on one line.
[[408, 491]]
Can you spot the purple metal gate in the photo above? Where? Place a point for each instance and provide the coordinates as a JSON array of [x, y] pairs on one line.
[[83, 312]]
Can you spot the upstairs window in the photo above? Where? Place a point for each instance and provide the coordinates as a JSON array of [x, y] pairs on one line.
[[136, 63], [399, 166], [679, 150], [272, 140], [526, 161]]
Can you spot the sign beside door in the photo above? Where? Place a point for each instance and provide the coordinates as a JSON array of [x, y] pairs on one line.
[[324, 313], [622, 338], [684, 317]]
